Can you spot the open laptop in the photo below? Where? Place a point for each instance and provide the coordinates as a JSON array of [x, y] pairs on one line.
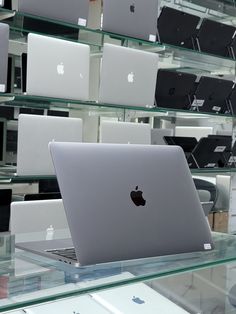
[[211, 95], [122, 189], [125, 133], [193, 131], [132, 80], [186, 143], [4, 44], [66, 64], [134, 18], [173, 89], [71, 11], [215, 38], [33, 157], [157, 135], [177, 27]]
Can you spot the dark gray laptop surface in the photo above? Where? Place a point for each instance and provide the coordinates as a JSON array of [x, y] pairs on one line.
[[4, 43], [71, 11], [126, 202], [136, 18]]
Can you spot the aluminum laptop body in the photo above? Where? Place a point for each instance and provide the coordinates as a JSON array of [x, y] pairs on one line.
[[4, 44], [65, 63], [157, 135], [125, 133], [71, 11], [134, 18], [112, 191], [132, 80], [33, 157]]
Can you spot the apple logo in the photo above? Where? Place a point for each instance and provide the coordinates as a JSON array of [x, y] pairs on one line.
[[81, 76], [137, 197], [60, 68], [131, 77], [138, 300], [132, 8]]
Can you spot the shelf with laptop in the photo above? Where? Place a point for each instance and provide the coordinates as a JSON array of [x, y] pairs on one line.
[[175, 45]]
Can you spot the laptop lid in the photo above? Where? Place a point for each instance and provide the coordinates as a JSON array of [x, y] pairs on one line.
[[177, 27], [186, 143], [212, 152], [136, 18], [193, 131], [157, 136], [211, 95], [71, 11], [33, 157], [118, 186], [125, 133], [132, 80], [215, 38], [66, 64], [173, 89], [4, 44]]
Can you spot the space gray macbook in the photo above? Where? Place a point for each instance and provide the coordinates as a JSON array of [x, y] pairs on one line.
[[4, 44], [72, 11], [61, 69], [134, 18], [125, 133], [112, 191], [132, 80]]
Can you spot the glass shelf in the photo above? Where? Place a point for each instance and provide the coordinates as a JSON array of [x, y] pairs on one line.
[[170, 56], [94, 108], [58, 281]]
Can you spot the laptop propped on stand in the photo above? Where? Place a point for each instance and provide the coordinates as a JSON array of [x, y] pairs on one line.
[[122, 189]]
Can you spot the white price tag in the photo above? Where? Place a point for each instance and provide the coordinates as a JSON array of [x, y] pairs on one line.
[[210, 165], [152, 38], [82, 22], [1, 3], [219, 149], [207, 246], [198, 103], [216, 108], [2, 88]]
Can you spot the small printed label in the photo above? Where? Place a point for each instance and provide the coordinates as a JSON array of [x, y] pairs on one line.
[[216, 108], [152, 38], [82, 22], [198, 102], [219, 149], [207, 246], [2, 88], [232, 159], [210, 165]]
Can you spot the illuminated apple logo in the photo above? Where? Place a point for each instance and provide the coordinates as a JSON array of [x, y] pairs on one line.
[[131, 77], [60, 68]]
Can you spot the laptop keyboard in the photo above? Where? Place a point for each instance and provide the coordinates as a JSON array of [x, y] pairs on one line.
[[66, 253]]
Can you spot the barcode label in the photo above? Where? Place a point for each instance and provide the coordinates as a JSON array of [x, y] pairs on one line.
[[82, 22], [198, 102], [219, 149], [152, 38]]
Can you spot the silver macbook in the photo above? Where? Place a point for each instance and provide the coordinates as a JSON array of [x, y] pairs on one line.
[[157, 136], [60, 70], [4, 44], [33, 157], [125, 133], [111, 192], [132, 80], [72, 11], [134, 18]]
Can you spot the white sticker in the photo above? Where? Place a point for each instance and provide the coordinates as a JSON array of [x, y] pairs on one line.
[[1, 2], [2, 88], [216, 108], [207, 246], [82, 22], [219, 149], [198, 102], [152, 38], [210, 165]]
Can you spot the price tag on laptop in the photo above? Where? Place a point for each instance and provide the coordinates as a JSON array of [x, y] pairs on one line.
[[219, 149], [2, 86], [216, 108], [152, 38], [198, 103], [1, 2], [210, 165], [82, 22]]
